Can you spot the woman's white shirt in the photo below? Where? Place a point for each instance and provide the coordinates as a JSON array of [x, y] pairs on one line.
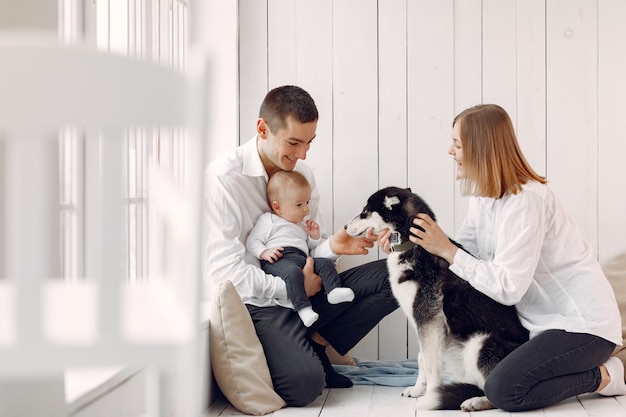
[[528, 252]]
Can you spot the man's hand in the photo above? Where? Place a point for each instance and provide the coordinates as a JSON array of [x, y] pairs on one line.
[[312, 281], [341, 243]]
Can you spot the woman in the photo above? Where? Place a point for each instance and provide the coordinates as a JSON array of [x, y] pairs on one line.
[[528, 252]]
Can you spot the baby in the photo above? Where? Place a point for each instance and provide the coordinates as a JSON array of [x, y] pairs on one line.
[[282, 240]]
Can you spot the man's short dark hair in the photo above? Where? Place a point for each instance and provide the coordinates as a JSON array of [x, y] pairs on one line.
[[285, 101]]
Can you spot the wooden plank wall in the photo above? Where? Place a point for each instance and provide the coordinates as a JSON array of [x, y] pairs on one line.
[[388, 76]]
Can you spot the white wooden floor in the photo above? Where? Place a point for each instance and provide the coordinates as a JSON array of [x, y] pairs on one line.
[[381, 401]]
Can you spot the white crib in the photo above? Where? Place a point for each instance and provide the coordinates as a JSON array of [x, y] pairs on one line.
[[49, 324]]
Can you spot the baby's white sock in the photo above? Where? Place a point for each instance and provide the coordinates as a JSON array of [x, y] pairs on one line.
[[340, 295], [615, 368], [308, 316]]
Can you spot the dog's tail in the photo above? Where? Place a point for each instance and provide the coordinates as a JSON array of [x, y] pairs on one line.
[[452, 395]]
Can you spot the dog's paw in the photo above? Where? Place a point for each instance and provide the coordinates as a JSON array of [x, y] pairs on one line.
[[414, 391], [476, 404], [430, 401]]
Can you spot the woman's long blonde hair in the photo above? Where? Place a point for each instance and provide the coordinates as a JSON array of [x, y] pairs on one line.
[[493, 162]]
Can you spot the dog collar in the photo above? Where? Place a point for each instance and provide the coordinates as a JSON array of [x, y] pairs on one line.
[[404, 246]]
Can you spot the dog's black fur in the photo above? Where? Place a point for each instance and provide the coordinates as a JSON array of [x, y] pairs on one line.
[[466, 311]]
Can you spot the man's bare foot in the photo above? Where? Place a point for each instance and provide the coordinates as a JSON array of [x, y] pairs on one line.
[[319, 339]]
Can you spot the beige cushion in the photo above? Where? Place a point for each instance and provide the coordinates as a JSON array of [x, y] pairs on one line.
[[237, 357], [615, 271]]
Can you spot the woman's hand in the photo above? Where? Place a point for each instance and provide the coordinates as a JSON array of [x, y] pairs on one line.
[[432, 238], [384, 241]]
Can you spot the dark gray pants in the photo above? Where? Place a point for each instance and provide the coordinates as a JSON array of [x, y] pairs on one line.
[[289, 268], [297, 373], [551, 367]]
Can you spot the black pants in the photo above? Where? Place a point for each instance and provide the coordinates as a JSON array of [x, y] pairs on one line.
[[297, 373], [289, 268], [551, 367]]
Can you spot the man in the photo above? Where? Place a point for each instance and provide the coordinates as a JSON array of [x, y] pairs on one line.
[[236, 197]]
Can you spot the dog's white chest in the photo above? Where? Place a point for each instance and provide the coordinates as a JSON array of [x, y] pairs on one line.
[[404, 291]]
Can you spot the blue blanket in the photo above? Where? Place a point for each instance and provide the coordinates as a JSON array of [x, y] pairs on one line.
[[401, 373]]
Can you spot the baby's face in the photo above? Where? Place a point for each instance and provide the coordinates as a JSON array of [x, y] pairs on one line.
[[294, 205]]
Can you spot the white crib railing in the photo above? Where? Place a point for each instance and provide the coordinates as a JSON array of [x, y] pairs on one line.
[[47, 323]]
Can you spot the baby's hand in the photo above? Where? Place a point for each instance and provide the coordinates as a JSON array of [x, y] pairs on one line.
[[271, 255], [313, 229]]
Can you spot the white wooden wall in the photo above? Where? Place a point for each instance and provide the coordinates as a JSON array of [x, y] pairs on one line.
[[388, 76]]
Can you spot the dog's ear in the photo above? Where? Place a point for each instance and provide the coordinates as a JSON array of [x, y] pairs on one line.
[[391, 201], [408, 189]]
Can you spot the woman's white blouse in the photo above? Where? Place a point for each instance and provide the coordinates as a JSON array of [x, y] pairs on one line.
[[528, 252]]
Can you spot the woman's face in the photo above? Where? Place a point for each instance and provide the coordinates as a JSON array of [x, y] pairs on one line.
[[456, 149]]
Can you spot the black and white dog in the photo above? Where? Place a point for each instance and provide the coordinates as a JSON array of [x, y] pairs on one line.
[[456, 324]]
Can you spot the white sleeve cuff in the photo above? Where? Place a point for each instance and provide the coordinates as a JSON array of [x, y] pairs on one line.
[[462, 265], [323, 250]]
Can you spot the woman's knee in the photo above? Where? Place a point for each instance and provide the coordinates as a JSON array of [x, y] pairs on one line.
[[502, 394]]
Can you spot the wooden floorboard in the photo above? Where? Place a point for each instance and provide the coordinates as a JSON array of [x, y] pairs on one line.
[[381, 401]]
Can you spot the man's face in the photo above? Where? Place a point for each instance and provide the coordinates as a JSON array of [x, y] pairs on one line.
[[281, 150]]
